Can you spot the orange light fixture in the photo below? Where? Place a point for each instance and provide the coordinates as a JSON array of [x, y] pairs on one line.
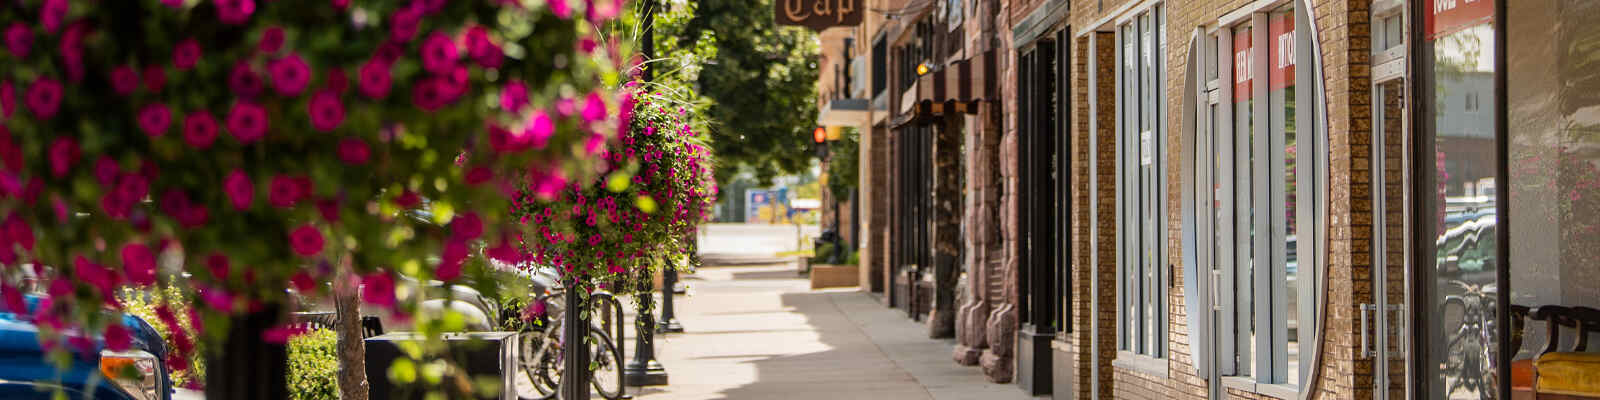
[[922, 69], [820, 134]]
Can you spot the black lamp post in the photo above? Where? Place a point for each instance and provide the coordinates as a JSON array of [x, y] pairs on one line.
[[669, 285], [644, 370], [575, 378]]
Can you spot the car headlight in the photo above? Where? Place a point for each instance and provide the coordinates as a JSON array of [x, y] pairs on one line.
[[134, 371]]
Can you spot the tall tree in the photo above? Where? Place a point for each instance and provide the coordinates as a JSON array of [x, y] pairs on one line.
[[761, 81]]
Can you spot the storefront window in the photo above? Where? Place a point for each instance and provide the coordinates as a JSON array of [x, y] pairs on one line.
[[1553, 155], [1259, 196], [1142, 290]]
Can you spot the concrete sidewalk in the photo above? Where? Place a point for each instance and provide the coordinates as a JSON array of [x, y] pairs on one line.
[[758, 333]]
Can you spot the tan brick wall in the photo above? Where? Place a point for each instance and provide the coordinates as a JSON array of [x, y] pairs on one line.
[[1343, 33]]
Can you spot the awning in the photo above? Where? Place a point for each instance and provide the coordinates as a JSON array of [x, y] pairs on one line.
[[843, 112]]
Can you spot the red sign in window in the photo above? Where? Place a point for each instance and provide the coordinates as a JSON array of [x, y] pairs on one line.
[[1242, 74], [1280, 43], [1444, 17]]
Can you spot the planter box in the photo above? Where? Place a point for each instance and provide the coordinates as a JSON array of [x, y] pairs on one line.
[[830, 276]]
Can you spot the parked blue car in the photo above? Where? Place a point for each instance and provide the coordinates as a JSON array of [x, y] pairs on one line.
[[26, 374]]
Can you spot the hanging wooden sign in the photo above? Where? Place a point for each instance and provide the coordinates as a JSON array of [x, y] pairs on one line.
[[817, 14]]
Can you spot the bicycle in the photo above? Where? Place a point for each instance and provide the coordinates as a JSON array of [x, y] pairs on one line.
[[543, 365]]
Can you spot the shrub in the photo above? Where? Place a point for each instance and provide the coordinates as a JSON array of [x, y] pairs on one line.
[[144, 304], [314, 366]]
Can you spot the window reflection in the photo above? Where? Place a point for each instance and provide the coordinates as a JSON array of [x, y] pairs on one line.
[[1464, 223]]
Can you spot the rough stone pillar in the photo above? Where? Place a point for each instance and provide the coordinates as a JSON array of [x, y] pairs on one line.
[[983, 185], [948, 202], [1001, 327]]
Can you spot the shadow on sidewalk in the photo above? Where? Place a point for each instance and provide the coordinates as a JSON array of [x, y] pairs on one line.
[[849, 366]]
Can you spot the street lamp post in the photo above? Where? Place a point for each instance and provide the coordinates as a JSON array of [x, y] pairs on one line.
[[644, 370], [669, 284]]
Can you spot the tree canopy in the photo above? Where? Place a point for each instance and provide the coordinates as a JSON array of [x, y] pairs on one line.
[[761, 83]]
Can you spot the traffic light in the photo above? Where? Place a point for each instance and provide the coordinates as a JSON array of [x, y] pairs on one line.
[[819, 138]]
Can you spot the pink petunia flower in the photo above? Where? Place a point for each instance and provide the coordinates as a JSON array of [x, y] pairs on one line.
[[241, 191], [186, 54], [454, 254], [63, 153], [18, 232], [234, 12], [560, 8], [290, 75], [540, 128], [594, 108], [155, 119], [466, 226], [303, 282], [478, 175], [19, 39], [514, 96], [483, 50], [378, 289], [271, 40], [407, 199], [354, 151], [438, 53], [117, 337], [431, 94], [327, 112], [404, 23], [247, 122], [44, 98], [139, 264], [219, 266], [200, 129], [374, 79], [306, 241], [341, 4], [243, 81], [217, 299], [124, 80], [52, 13], [106, 170], [286, 191], [329, 208]]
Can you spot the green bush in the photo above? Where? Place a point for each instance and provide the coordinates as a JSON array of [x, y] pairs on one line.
[[314, 366], [143, 303]]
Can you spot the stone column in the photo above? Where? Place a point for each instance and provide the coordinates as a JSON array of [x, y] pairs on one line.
[[947, 205]]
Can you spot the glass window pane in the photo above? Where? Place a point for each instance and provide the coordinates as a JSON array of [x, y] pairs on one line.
[[1281, 44], [1458, 59], [1244, 207], [1553, 141]]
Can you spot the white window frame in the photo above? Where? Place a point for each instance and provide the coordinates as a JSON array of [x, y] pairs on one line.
[[1230, 199], [1142, 268]]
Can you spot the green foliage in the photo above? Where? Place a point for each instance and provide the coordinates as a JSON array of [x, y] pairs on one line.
[[844, 163], [314, 366], [761, 80], [609, 232], [97, 119], [143, 304]]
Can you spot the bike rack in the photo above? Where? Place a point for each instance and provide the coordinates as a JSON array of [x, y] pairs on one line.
[[622, 349]]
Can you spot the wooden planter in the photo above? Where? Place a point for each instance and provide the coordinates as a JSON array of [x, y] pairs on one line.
[[831, 276]]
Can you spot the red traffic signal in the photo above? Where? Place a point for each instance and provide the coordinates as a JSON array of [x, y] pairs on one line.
[[819, 135]]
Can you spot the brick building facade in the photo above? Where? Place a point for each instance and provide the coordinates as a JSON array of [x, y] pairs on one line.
[[1178, 199]]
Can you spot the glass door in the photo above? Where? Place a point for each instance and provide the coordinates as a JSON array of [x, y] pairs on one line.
[[1388, 311]]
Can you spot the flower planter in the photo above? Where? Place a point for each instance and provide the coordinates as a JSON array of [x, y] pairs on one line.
[[832, 276]]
